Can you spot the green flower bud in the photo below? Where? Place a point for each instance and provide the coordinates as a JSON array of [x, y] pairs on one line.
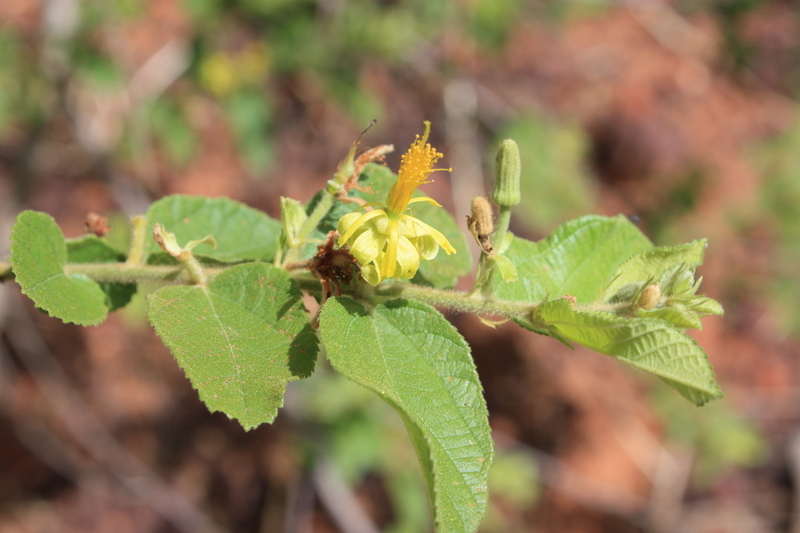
[[506, 191]]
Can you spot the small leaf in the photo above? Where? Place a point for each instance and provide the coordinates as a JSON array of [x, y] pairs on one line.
[[654, 263], [577, 258], [648, 344], [241, 232], [93, 249], [679, 316], [412, 357], [239, 339], [38, 256]]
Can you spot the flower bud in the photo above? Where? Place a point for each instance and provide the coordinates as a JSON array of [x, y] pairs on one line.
[[506, 191], [650, 297], [480, 224]]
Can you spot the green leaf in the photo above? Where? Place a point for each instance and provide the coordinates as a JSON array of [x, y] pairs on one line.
[[653, 264], [38, 256], [416, 360], [577, 258], [93, 249], [241, 232], [679, 316], [648, 344], [507, 269], [239, 339]]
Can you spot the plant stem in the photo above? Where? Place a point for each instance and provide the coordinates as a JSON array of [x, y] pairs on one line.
[[125, 273], [503, 220], [458, 300]]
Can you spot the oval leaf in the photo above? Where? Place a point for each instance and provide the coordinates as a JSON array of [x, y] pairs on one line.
[[239, 339], [415, 359], [646, 343], [241, 232], [38, 256]]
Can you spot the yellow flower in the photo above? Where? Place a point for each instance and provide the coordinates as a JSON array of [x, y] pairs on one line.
[[387, 242]]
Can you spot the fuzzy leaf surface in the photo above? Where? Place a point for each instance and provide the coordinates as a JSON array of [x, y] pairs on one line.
[[410, 355], [38, 257], [577, 258], [241, 232], [649, 344], [239, 339]]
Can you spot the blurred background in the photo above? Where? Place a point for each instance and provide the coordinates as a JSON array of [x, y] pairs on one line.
[[682, 114]]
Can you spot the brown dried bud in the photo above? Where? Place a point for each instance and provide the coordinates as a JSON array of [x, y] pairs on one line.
[[96, 224], [480, 224]]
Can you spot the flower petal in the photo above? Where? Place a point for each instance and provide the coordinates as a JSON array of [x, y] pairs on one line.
[[347, 220], [371, 274], [363, 219], [417, 228], [426, 246], [407, 258], [367, 246], [424, 199], [389, 260]]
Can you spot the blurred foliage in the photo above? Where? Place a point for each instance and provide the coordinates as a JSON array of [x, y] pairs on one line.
[[362, 437], [514, 486], [490, 20], [555, 182], [779, 163], [717, 435]]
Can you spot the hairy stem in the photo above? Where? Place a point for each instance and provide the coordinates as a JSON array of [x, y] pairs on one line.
[[125, 273], [458, 300]]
